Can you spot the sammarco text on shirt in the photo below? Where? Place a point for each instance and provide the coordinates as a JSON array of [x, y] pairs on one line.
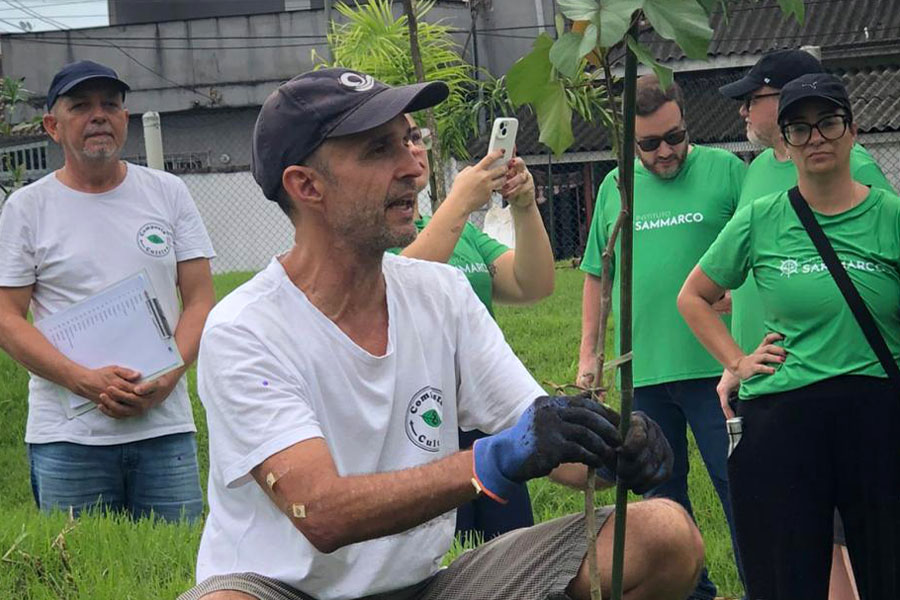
[[792, 266], [473, 268], [660, 220]]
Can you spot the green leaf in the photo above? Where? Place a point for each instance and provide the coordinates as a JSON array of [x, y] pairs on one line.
[[664, 74], [564, 54], [710, 5], [432, 418], [555, 118], [793, 7], [614, 19], [156, 239], [560, 22], [588, 41], [683, 21], [578, 10], [528, 77]]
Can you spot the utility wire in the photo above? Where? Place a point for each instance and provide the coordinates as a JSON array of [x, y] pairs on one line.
[[718, 11], [488, 31], [48, 34], [139, 63], [106, 42]]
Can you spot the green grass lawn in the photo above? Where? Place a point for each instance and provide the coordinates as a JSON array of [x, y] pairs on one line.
[[109, 558]]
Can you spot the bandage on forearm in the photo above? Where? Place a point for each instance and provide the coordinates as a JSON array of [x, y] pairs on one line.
[[294, 509]]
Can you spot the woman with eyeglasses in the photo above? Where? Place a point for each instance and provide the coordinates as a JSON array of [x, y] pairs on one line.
[[513, 276], [820, 419]]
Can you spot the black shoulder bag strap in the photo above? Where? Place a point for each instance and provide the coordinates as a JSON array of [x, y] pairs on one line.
[[849, 291]]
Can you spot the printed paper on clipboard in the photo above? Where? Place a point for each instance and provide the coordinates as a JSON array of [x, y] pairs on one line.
[[123, 325]]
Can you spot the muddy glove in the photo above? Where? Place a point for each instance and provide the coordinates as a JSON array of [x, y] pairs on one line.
[[554, 430], [645, 459]]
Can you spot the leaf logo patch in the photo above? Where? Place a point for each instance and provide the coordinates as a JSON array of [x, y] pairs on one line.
[[432, 418], [154, 240]]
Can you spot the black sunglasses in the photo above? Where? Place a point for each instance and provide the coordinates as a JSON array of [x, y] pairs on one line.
[[673, 138]]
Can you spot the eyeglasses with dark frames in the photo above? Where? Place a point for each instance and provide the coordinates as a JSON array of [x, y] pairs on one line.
[[830, 128], [749, 99], [673, 138], [421, 137]]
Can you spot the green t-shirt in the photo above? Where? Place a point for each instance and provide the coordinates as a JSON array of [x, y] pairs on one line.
[[767, 175], [675, 221], [474, 255], [798, 296]]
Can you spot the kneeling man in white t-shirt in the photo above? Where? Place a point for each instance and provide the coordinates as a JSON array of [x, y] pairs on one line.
[[335, 380]]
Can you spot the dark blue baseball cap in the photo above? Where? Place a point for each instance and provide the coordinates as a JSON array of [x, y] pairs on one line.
[[314, 106], [774, 69], [823, 86], [78, 72]]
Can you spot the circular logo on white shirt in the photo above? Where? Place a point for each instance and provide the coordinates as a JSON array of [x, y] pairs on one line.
[[154, 240], [424, 416]]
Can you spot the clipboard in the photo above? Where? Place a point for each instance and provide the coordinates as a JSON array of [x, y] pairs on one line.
[[123, 325]]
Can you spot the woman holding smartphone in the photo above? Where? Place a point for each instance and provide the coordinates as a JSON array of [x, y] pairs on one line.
[[821, 421], [513, 276]]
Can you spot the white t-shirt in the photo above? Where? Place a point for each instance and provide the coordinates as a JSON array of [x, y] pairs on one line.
[[71, 245], [274, 371]]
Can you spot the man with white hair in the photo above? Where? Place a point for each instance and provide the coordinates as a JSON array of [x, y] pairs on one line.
[[68, 236]]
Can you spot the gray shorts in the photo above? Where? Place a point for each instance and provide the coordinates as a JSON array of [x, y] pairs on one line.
[[534, 563]]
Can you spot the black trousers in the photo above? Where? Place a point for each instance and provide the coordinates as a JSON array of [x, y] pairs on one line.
[[832, 444]]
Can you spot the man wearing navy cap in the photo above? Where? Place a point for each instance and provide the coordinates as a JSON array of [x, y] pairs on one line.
[[103, 437], [335, 382]]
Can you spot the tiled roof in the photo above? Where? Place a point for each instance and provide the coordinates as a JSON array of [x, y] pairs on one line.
[[875, 94], [755, 26]]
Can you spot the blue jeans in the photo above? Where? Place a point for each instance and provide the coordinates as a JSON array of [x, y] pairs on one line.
[[674, 405], [158, 474]]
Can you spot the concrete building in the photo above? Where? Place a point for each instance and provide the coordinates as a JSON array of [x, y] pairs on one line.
[[207, 67]]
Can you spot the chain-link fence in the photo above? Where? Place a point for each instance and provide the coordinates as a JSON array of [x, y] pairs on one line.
[[210, 151], [247, 230]]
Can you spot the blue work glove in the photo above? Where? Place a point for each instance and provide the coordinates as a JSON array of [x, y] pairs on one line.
[[645, 459], [554, 430]]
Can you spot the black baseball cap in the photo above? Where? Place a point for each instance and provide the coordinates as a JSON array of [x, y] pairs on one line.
[[815, 85], [774, 69], [314, 106], [78, 72]]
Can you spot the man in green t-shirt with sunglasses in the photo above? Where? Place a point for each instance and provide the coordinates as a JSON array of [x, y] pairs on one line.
[[683, 196]]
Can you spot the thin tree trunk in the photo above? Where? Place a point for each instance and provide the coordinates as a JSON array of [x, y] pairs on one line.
[[626, 190], [605, 309], [438, 190]]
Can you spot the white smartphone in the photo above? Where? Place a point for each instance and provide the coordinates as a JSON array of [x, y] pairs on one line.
[[503, 135]]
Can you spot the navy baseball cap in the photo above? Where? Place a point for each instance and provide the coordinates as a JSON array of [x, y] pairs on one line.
[[815, 85], [774, 69], [314, 106], [78, 72]]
